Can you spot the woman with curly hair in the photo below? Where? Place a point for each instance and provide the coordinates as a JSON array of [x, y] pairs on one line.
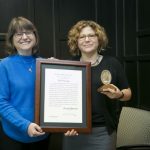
[[86, 40]]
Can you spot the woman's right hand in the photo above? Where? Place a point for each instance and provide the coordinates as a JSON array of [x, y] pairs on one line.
[[35, 130], [53, 58]]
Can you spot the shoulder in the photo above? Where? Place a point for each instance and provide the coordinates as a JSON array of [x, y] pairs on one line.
[[7, 59], [111, 60]]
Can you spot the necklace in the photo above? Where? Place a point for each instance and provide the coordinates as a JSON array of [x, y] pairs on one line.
[[97, 61], [27, 63], [30, 69], [27, 66]]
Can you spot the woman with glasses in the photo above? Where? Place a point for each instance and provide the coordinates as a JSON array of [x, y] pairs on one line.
[[17, 90], [86, 40]]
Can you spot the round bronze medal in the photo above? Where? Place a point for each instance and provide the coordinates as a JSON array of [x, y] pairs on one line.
[[106, 78]]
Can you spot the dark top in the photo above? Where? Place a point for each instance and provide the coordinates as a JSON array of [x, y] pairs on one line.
[[104, 110]]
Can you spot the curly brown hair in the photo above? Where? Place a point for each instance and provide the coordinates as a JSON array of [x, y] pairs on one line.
[[74, 33]]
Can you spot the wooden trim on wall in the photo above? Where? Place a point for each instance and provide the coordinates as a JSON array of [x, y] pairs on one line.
[[2, 36]]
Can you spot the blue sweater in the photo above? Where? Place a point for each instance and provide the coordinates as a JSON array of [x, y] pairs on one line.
[[17, 96]]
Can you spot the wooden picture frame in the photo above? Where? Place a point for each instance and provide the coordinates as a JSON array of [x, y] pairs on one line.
[[63, 95]]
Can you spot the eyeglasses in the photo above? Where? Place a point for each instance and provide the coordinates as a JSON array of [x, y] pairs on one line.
[[89, 36], [19, 35]]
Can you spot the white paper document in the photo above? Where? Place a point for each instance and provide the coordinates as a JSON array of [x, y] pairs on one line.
[[63, 96]]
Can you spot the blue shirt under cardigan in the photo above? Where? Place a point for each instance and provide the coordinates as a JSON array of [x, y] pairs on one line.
[[17, 96]]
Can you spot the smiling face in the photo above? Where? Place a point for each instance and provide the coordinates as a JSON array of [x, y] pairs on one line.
[[88, 41], [24, 41]]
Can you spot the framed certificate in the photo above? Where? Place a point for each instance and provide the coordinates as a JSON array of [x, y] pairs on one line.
[[63, 95]]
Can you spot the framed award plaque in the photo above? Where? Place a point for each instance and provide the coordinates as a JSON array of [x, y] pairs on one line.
[[63, 95]]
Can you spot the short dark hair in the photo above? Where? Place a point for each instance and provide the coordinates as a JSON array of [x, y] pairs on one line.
[[19, 24]]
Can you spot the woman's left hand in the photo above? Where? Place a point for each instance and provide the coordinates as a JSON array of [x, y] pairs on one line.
[[114, 93], [71, 133]]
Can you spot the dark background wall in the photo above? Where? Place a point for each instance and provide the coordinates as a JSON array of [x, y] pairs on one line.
[[126, 21]]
